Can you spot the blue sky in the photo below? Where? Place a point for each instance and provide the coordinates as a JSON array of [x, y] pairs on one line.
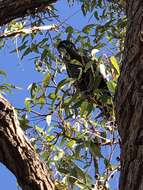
[[7, 179]]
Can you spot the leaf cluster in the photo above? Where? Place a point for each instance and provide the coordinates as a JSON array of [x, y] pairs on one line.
[[67, 129]]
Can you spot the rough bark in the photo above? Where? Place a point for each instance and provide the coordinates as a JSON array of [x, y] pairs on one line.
[[129, 101], [17, 153], [12, 9]]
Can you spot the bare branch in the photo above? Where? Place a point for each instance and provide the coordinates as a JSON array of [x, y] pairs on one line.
[[29, 30]]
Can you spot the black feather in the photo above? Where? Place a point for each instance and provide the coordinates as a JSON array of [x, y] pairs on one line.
[[87, 81]]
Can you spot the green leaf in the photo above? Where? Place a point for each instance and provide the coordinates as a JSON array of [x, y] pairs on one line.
[[63, 83], [41, 100], [76, 62], [96, 15], [112, 86], [59, 155], [27, 104], [33, 90], [34, 48], [26, 52], [107, 162], [2, 72], [52, 96], [24, 122], [115, 64], [87, 29], [44, 54], [78, 104], [71, 144], [88, 65], [46, 80], [44, 155], [50, 138], [40, 130], [67, 102], [69, 29], [95, 150], [85, 108], [84, 11], [63, 141]]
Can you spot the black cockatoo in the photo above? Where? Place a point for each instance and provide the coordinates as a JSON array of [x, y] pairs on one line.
[[84, 70]]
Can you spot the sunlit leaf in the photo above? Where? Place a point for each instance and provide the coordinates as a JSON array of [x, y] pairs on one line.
[[115, 64], [59, 155], [52, 96], [27, 104], [112, 86], [46, 80], [41, 100], [71, 143], [48, 119]]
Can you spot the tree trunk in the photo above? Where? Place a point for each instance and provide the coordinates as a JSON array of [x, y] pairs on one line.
[[17, 153], [12, 9], [129, 101]]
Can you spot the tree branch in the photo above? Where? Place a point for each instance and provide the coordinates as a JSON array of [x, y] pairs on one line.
[[12, 9], [29, 30], [18, 154]]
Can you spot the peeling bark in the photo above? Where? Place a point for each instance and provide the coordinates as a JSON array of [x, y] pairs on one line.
[[17, 153], [12, 9], [129, 101]]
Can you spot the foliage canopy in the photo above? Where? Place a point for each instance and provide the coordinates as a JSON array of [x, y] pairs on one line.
[[79, 145]]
